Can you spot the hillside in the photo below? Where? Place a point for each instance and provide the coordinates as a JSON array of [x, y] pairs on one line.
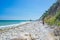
[[52, 16]]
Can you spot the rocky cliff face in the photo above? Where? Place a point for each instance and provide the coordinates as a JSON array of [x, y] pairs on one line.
[[52, 18], [52, 10]]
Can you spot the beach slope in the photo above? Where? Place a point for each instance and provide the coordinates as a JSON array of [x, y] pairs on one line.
[[28, 31]]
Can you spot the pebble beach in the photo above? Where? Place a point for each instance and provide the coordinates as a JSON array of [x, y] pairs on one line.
[[27, 31]]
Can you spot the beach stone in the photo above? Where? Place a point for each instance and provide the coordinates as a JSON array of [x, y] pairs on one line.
[[28, 31], [24, 36]]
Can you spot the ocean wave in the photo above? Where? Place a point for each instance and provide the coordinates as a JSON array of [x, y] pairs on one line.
[[14, 25]]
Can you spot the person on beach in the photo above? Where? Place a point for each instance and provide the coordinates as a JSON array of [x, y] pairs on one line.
[[43, 21]]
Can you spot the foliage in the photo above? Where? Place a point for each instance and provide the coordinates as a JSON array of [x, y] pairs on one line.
[[44, 15], [50, 21], [52, 16], [53, 20], [58, 15]]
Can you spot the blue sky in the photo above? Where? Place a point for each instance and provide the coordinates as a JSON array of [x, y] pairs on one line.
[[23, 9]]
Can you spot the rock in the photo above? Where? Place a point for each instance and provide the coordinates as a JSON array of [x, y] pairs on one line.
[[24, 36]]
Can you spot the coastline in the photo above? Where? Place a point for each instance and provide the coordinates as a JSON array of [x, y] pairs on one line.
[[36, 29], [13, 25]]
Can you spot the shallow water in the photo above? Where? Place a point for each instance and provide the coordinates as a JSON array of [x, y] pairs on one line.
[[9, 22]]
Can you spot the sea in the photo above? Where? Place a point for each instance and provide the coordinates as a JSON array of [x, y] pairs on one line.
[[4, 23]]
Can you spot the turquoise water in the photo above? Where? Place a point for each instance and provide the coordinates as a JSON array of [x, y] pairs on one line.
[[9, 22]]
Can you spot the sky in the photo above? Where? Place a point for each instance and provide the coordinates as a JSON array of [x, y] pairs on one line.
[[23, 9]]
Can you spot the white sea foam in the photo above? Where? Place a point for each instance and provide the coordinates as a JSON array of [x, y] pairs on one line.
[[14, 25]]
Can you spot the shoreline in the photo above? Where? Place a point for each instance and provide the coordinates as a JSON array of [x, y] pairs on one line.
[[13, 25], [36, 29]]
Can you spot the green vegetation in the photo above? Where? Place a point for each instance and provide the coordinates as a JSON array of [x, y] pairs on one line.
[[52, 15], [53, 20]]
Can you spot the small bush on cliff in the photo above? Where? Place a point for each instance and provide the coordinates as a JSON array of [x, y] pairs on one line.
[[50, 21], [53, 20]]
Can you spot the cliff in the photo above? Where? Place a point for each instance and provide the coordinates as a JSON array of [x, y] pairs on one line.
[[52, 16]]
